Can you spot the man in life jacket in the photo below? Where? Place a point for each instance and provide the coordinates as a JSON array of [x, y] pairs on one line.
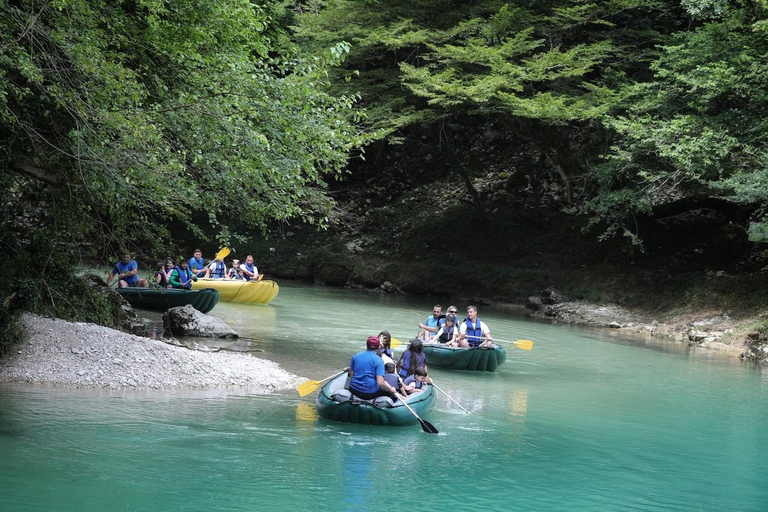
[[249, 269], [182, 277], [473, 332], [197, 264], [366, 373]]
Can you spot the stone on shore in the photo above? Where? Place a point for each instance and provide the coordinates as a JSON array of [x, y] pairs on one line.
[[187, 321]]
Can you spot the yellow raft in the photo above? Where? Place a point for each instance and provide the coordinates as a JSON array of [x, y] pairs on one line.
[[235, 290]]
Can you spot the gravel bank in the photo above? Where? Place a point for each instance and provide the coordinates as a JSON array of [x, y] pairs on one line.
[[55, 352]]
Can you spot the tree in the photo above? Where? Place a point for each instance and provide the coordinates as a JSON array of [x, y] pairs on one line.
[[534, 75], [143, 112], [123, 122], [695, 135]]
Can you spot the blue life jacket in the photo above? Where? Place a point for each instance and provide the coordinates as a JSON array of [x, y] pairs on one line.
[[185, 276], [474, 332], [218, 269], [413, 382], [391, 379], [447, 334], [405, 367], [249, 268]]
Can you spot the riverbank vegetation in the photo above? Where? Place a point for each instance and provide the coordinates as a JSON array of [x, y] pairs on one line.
[[613, 149]]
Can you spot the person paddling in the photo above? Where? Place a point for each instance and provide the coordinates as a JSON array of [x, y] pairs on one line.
[[249, 269], [366, 373], [182, 277], [217, 269], [474, 332]]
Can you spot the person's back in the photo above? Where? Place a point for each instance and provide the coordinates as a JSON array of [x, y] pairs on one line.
[[390, 376], [364, 365], [366, 372], [411, 359]]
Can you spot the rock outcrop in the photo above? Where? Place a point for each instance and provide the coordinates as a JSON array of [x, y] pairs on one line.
[[187, 321]]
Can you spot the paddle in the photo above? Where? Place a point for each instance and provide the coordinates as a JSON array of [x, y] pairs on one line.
[[425, 425], [449, 397], [223, 253], [521, 344], [307, 387]]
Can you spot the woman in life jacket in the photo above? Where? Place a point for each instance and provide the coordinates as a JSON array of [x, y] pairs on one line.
[[448, 333], [414, 357]]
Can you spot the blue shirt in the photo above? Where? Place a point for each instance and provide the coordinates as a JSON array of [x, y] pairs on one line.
[[365, 367], [196, 264], [121, 267], [431, 321]]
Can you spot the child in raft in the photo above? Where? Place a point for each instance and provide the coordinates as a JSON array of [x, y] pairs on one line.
[[417, 381], [392, 379], [448, 333]]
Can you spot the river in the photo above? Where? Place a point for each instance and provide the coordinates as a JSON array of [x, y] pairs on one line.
[[586, 421]]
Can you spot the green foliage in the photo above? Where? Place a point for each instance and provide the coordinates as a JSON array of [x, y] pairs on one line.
[[698, 128], [145, 113], [124, 123]]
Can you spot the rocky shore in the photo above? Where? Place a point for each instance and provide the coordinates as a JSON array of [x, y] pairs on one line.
[[60, 353], [709, 329]]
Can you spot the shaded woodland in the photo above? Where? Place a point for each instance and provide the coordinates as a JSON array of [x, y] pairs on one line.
[[158, 126]]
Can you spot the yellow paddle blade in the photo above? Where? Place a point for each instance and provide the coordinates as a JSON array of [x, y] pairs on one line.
[[524, 344], [394, 342], [307, 387], [261, 276], [223, 253]]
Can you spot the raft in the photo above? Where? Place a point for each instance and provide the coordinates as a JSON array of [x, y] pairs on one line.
[[334, 402], [458, 358], [165, 298], [236, 290]]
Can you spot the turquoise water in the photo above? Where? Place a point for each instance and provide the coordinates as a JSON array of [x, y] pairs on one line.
[[584, 421]]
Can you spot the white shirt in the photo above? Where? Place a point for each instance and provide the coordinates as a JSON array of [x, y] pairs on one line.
[[483, 328], [255, 270], [212, 266]]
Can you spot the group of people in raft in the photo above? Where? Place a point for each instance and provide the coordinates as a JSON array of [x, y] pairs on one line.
[[171, 275], [374, 373]]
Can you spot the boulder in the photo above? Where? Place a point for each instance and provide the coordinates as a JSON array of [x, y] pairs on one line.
[[187, 321], [534, 303], [552, 296]]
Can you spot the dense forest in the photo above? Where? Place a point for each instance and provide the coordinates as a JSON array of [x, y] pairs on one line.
[[402, 127]]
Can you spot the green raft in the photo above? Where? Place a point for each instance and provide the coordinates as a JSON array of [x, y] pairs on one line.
[[473, 359], [334, 402], [165, 298]]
